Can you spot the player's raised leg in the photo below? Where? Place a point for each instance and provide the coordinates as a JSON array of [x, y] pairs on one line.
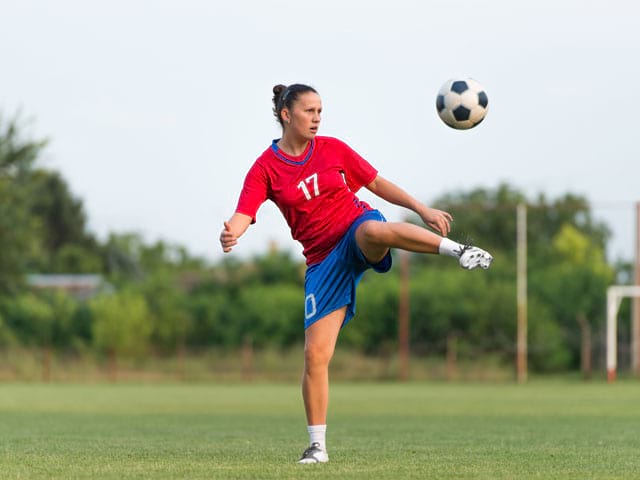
[[375, 238]]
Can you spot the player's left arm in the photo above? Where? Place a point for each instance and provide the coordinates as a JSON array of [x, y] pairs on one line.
[[392, 193]]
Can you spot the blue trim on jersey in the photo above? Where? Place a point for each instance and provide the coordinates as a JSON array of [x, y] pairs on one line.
[[276, 151]]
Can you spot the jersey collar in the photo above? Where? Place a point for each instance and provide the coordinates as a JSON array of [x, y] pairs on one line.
[[299, 160]]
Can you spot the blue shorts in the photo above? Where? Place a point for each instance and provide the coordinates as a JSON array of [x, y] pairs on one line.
[[331, 284]]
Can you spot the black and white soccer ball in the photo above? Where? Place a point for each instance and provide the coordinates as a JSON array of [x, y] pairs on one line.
[[462, 103]]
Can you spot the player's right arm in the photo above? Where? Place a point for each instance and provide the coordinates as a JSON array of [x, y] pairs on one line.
[[233, 230], [253, 194]]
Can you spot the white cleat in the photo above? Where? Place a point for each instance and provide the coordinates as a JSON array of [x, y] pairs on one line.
[[472, 257], [314, 454]]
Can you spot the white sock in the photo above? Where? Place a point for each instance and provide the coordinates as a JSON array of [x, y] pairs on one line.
[[317, 435], [449, 247]]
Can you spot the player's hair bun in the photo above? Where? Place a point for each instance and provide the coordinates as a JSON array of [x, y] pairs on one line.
[[277, 92], [278, 89]]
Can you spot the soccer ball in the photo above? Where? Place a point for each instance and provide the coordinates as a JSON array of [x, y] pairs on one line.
[[462, 103]]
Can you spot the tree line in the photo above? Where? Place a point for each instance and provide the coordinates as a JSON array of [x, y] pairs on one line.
[[164, 299]]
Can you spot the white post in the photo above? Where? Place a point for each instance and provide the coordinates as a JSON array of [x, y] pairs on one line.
[[635, 305], [521, 281], [612, 334], [615, 294]]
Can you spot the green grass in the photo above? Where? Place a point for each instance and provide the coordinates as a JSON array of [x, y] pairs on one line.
[[543, 430]]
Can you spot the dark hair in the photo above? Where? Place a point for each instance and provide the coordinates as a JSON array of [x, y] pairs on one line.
[[284, 96]]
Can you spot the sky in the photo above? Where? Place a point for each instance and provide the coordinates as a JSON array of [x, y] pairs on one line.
[[155, 110]]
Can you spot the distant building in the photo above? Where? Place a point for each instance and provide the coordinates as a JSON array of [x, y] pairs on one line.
[[80, 286]]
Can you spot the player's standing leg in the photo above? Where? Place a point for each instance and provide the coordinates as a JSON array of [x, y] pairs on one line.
[[320, 343]]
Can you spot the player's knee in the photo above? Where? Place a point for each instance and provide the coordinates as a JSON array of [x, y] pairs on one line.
[[317, 355], [372, 231]]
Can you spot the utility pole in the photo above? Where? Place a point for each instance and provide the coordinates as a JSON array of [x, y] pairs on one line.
[[403, 317], [635, 305], [521, 342]]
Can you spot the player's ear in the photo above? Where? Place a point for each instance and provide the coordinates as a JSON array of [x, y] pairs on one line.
[[284, 114]]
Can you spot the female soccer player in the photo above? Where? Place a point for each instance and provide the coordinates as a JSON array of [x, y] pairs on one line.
[[314, 180]]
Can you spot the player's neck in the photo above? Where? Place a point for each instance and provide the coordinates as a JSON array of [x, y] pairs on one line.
[[293, 146]]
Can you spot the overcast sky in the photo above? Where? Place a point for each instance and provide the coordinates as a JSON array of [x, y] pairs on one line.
[[155, 110]]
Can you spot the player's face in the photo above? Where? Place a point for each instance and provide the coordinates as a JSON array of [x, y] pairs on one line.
[[305, 115]]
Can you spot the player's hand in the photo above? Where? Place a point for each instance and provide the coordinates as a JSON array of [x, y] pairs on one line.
[[227, 239], [437, 219]]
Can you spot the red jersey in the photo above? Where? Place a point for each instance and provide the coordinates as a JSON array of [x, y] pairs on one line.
[[316, 191]]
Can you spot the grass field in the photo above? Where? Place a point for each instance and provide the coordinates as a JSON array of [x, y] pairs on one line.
[[543, 430]]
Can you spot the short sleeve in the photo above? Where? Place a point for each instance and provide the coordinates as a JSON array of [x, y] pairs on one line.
[[254, 192], [357, 171]]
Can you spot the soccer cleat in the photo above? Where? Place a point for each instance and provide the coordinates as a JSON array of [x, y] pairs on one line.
[[314, 454], [472, 257]]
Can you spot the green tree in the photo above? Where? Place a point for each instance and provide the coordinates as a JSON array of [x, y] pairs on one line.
[[62, 215], [7, 336], [129, 259], [475, 306], [74, 258], [374, 328], [19, 239], [214, 319], [167, 304], [31, 318], [574, 285], [548, 349], [122, 256], [278, 266], [64, 309], [270, 314], [42, 225], [122, 326]]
